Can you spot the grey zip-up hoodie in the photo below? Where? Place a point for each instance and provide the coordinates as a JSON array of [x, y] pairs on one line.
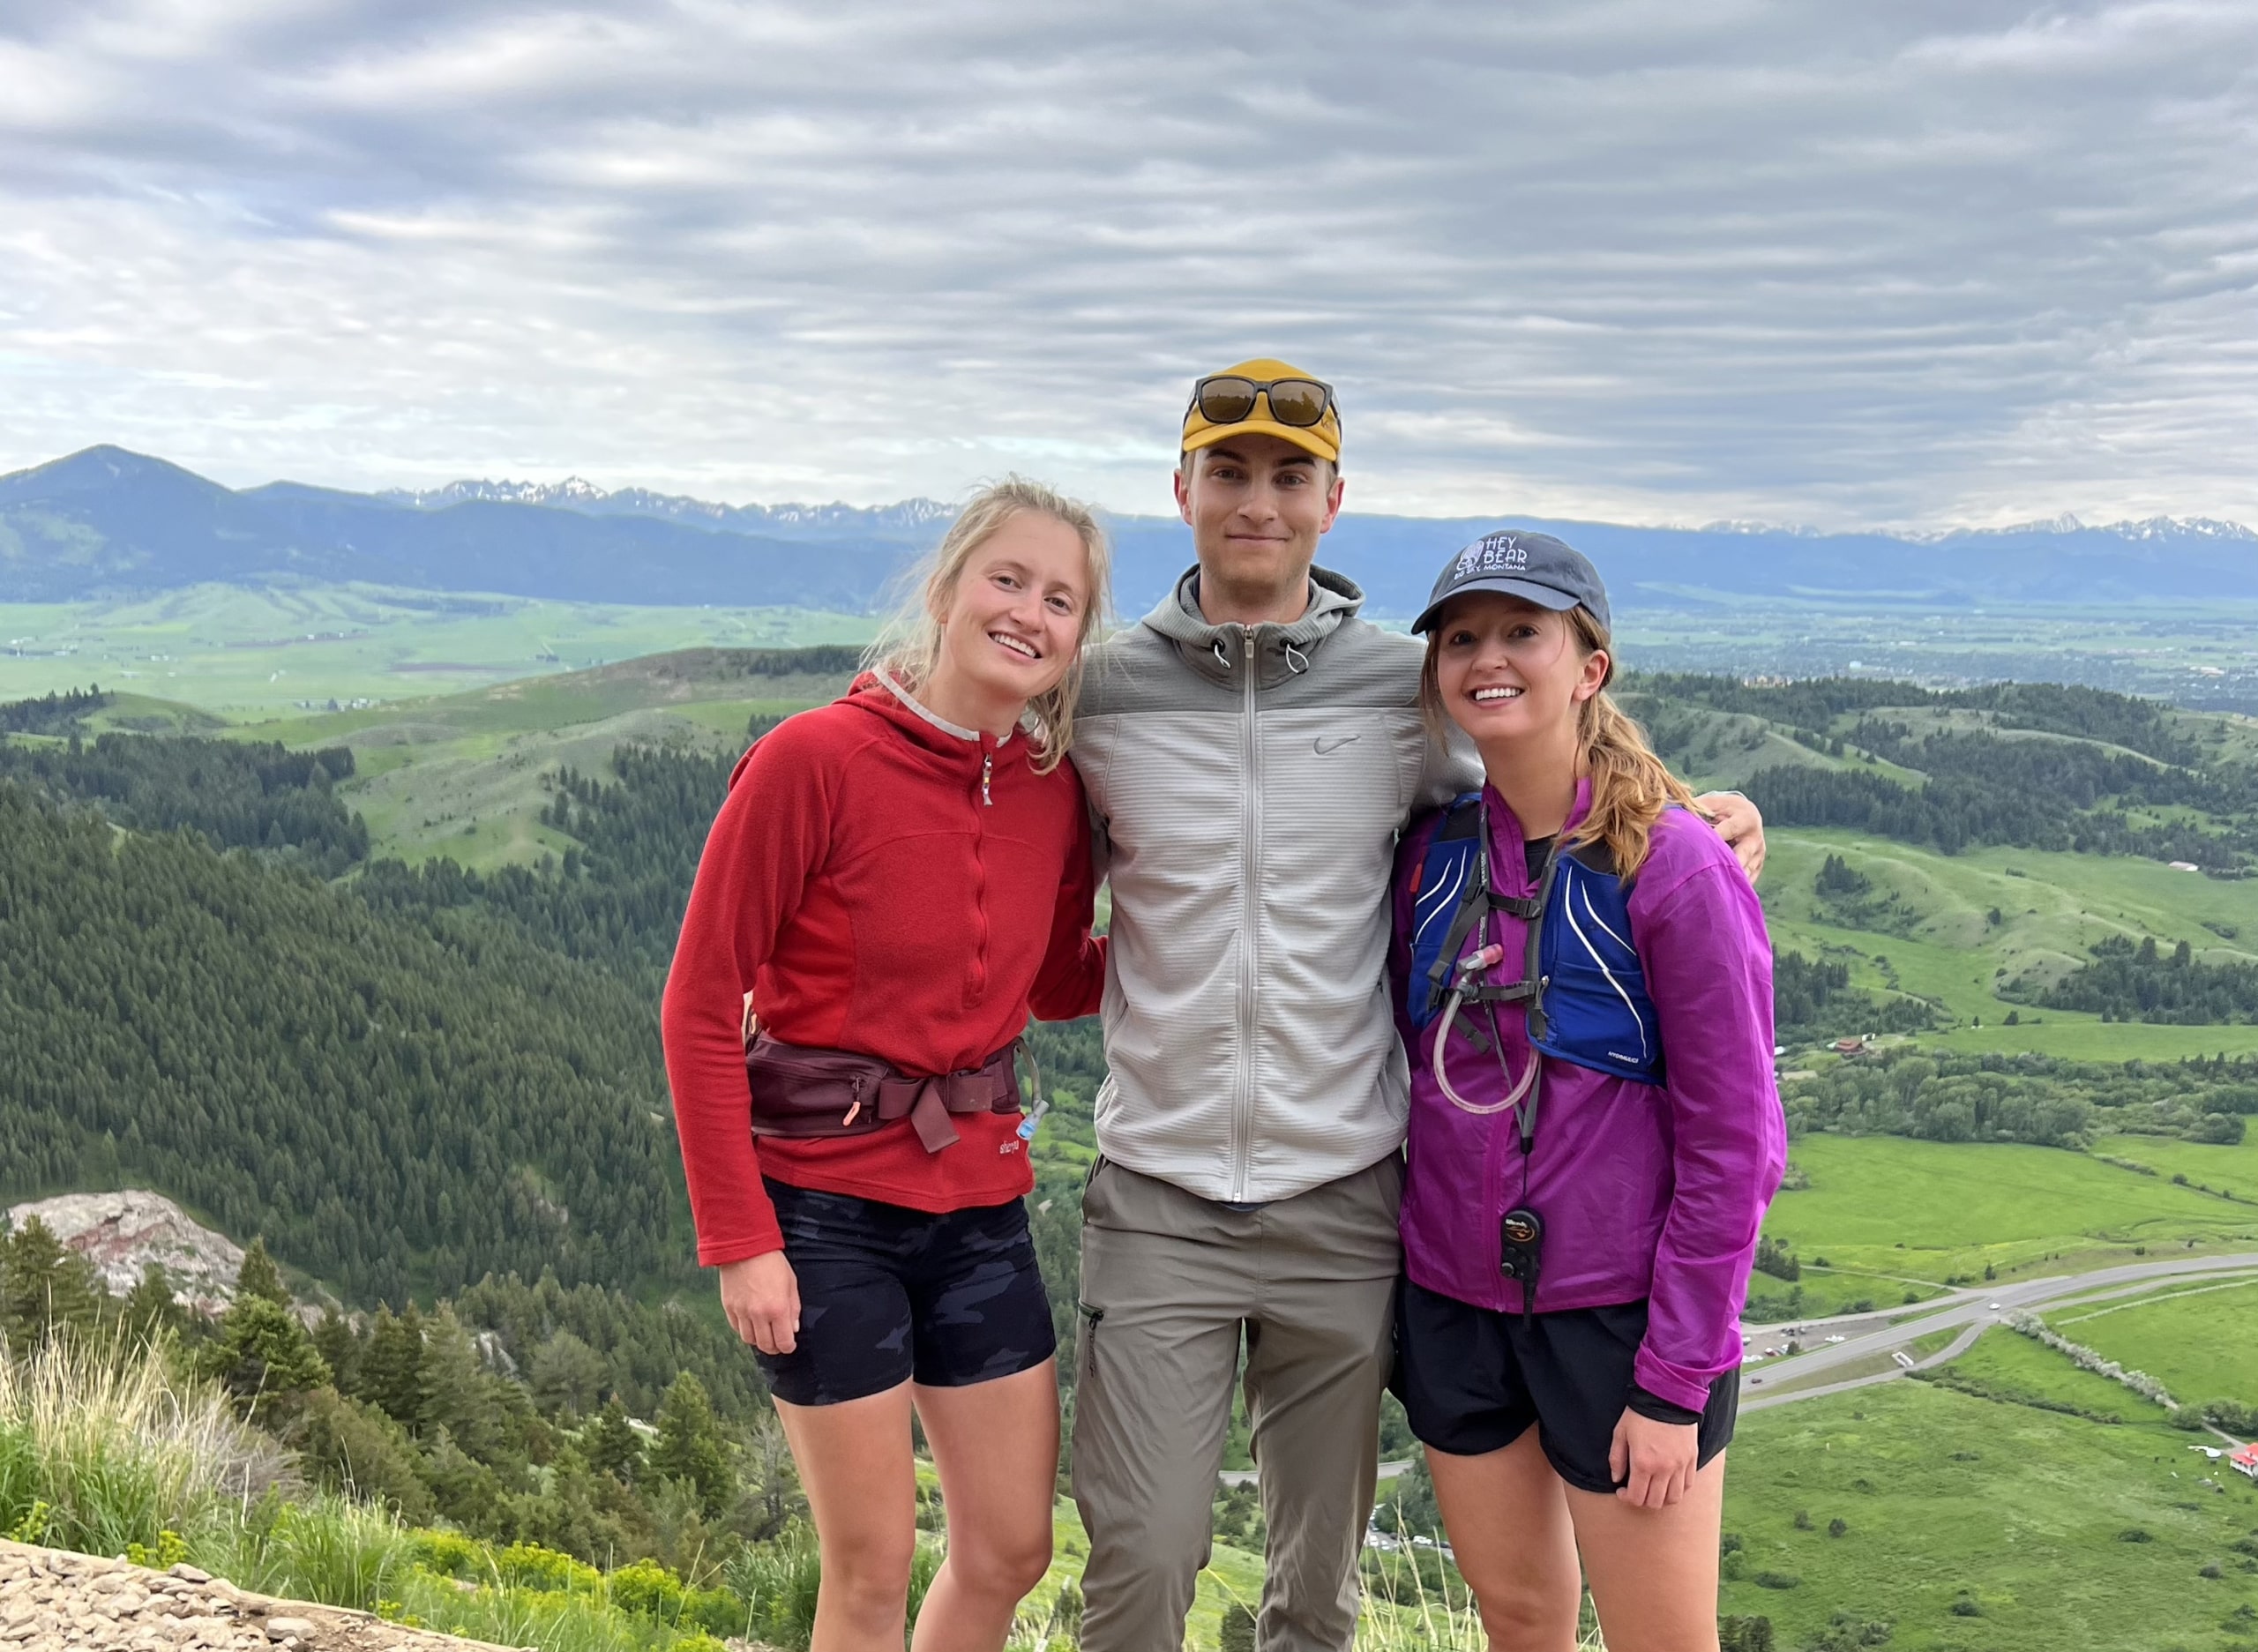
[[1249, 784]]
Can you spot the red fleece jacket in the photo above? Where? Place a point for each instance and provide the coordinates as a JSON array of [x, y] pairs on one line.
[[879, 883]]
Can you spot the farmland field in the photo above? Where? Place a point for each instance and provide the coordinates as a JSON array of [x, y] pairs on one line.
[[2009, 1363], [247, 653], [1950, 1500], [1889, 1206], [2167, 652], [2200, 1342]]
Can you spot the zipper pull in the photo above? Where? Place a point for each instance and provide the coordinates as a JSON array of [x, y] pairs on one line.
[[987, 774]]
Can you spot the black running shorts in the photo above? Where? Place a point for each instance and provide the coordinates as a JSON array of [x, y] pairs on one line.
[[889, 1295], [1472, 1380]]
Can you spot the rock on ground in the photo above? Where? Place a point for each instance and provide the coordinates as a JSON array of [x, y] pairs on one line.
[[51, 1600], [121, 1233]]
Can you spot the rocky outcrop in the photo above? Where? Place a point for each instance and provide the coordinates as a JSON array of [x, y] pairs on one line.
[[51, 1600], [121, 1233]]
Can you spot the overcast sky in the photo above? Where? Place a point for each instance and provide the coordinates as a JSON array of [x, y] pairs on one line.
[[1913, 264]]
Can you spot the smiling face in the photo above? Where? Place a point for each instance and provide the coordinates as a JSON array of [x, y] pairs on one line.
[[1011, 623], [1506, 669], [1256, 505]]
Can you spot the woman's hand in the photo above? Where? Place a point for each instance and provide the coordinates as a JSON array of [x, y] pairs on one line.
[[761, 1297], [1652, 1463], [1740, 823]]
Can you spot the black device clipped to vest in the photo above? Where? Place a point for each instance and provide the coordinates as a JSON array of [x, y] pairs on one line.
[[1521, 1245]]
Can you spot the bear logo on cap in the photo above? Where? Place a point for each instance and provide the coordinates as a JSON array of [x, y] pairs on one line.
[[1499, 553]]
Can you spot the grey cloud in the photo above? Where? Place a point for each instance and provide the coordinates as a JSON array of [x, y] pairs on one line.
[[1912, 263]]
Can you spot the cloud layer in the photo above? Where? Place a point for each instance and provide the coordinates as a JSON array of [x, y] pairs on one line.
[[1918, 264]]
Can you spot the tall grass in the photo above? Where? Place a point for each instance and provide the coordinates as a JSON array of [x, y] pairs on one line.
[[98, 1451], [106, 1447], [103, 1447], [325, 1549], [1415, 1600]]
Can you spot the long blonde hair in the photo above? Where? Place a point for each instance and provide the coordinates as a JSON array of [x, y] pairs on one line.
[[908, 646], [1630, 786]]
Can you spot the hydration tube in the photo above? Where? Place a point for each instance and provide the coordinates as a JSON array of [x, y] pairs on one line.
[[1468, 968]]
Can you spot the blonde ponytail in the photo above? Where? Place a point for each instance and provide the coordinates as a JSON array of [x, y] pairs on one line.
[[1630, 786]]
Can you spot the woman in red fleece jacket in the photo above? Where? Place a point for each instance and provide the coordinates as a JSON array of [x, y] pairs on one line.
[[904, 875]]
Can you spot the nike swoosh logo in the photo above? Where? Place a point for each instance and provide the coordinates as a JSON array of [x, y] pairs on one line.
[[1326, 748]]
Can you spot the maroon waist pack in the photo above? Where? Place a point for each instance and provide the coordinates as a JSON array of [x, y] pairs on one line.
[[802, 1092]]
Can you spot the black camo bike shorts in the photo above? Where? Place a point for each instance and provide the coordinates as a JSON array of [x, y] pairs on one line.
[[889, 1295]]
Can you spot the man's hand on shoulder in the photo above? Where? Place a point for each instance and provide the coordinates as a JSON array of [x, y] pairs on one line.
[[1741, 824]]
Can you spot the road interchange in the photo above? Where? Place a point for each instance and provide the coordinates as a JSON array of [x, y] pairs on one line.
[[1970, 1312]]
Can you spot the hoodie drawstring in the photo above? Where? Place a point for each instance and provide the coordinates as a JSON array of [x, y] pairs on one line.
[[1297, 661], [1222, 654]]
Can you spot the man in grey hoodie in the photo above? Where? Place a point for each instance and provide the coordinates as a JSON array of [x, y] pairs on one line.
[[1251, 748]]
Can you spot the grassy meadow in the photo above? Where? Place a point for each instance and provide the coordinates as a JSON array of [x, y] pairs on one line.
[[2053, 909], [2008, 1363], [2201, 1341], [247, 653], [1972, 1523], [1888, 1209], [462, 775]]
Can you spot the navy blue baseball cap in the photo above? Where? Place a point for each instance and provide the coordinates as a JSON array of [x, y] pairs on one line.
[[1534, 567]]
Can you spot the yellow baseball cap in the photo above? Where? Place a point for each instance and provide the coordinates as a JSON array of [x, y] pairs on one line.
[[1217, 400]]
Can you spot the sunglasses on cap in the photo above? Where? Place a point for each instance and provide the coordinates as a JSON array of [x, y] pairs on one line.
[[1227, 399]]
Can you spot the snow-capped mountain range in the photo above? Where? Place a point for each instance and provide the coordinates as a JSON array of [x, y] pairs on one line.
[[574, 493], [107, 520]]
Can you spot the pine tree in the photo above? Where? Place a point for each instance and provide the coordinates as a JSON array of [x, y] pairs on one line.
[[340, 1347], [264, 1355], [393, 1365], [43, 1288], [149, 1309], [690, 1447], [566, 1375], [611, 1445], [259, 1276], [456, 1391]]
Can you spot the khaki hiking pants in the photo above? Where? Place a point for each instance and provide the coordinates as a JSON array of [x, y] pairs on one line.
[[1170, 1280]]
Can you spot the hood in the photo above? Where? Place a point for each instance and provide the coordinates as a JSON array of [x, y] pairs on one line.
[[889, 699], [1276, 653]]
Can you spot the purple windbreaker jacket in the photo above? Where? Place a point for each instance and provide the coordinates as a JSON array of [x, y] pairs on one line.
[[1646, 1191]]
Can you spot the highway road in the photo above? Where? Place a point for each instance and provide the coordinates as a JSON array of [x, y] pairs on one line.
[[1969, 1312]]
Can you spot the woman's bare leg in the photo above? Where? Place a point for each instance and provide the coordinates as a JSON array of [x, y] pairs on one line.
[[1654, 1571], [855, 1464], [996, 1445], [1507, 1515]]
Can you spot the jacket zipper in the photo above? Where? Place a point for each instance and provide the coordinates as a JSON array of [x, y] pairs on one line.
[[976, 978], [1250, 921]]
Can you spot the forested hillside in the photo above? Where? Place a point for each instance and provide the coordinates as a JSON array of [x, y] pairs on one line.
[[2034, 766], [235, 794], [409, 1076], [394, 1103]]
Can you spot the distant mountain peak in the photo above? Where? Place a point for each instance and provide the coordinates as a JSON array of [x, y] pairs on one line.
[[572, 489], [100, 468], [2150, 528], [576, 493], [2178, 527], [1752, 525]]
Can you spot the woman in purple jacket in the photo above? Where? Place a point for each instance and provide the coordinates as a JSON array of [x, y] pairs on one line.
[[1590, 1158]]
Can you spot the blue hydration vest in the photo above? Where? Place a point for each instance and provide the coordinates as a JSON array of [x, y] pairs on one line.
[[1582, 986]]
